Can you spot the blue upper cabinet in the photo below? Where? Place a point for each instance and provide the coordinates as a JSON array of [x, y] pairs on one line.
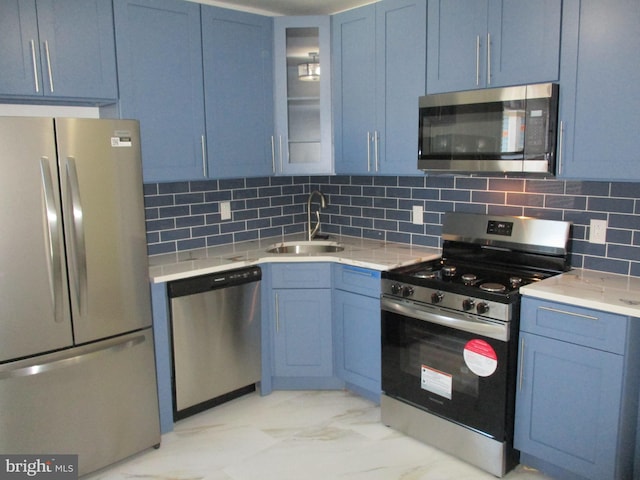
[[160, 73], [599, 94], [57, 50], [238, 83], [354, 88], [492, 43], [302, 139], [379, 57]]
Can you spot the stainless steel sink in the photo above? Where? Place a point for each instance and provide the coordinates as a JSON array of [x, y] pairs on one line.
[[302, 248]]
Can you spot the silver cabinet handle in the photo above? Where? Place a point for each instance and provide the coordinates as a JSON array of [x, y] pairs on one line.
[[368, 151], [273, 154], [35, 65], [488, 59], [521, 364], [564, 312], [277, 313], [203, 145], [50, 71], [477, 60], [88, 353], [280, 152], [560, 147], [376, 141], [78, 251], [52, 233]]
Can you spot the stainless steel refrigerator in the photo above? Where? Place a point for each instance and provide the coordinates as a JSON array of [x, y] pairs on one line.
[[77, 369]]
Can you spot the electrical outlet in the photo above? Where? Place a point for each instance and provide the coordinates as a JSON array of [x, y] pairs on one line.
[[225, 210], [598, 231], [417, 215]]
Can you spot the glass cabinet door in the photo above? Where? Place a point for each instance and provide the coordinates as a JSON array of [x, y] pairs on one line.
[[302, 141]]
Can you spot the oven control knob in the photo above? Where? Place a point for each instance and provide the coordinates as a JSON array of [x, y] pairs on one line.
[[396, 288], [468, 304], [482, 308], [407, 291], [437, 297]]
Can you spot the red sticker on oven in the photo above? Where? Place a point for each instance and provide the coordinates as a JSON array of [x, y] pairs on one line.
[[480, 357]]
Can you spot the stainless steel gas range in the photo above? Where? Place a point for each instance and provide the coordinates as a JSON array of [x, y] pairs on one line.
[[450, 334]]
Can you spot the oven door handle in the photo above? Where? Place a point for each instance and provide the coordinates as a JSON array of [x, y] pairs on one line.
[[451, 319]]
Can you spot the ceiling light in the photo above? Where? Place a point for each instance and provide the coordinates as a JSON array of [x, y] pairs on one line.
[[310, 71]]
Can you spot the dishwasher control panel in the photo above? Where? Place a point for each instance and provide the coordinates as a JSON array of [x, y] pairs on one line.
[[214, 281]]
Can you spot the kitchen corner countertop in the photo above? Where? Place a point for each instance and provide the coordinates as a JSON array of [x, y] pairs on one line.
[[590, 289], [373, 254]]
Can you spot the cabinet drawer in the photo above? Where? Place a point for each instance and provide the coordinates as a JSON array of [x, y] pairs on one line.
[[357, 280], [582, 326], [301, 275]]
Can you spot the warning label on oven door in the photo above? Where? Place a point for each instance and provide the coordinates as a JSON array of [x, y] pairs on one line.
[[480, 357], [436, 381]]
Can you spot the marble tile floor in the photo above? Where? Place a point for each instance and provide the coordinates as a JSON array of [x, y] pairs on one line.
[[299, 435]]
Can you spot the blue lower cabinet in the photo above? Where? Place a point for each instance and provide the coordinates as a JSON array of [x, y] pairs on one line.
[[300, 323], [576, 405], [357, 342], [356, 320]]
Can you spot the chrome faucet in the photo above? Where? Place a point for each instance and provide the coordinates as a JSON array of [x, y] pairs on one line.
[[323, 204]]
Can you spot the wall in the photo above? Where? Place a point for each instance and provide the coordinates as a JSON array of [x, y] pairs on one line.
[[185, 215]]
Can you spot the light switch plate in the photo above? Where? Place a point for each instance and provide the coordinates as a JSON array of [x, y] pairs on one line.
[[598, 231], [417, 215], [225, 210]]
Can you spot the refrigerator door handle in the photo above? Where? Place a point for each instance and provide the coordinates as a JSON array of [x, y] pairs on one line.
[[52, 234], [78, 250], [38, 367]]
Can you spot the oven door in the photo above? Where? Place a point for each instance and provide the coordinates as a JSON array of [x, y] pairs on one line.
[[449, 364]]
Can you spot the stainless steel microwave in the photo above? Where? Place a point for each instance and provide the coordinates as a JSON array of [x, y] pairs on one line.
[[511, 130]]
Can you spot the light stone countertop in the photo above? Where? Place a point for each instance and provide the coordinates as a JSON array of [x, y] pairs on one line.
[[590, 289], [373, 254]]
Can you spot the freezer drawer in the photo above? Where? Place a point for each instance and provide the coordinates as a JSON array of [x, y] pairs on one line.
[[98, 401]]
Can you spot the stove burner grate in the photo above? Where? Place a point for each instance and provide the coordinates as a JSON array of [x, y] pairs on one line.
[[425, 274], [493, 287]]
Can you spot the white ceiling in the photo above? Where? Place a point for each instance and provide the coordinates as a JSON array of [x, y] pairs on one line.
[[289, 7]]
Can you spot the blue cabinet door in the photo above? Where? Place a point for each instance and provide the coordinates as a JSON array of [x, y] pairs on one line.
[[401, 32], [238, 83], [379, 57], [160, 74], [357, 341], [20, 52], [62, 49], [524, 41], [491, 43], [303, 119], [456, 41], [78, 56], [354, 90], [302, 333], [599, 97], [568, 406]]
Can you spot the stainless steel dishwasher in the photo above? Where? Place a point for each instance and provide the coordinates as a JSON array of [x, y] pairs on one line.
[[215, 326]]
